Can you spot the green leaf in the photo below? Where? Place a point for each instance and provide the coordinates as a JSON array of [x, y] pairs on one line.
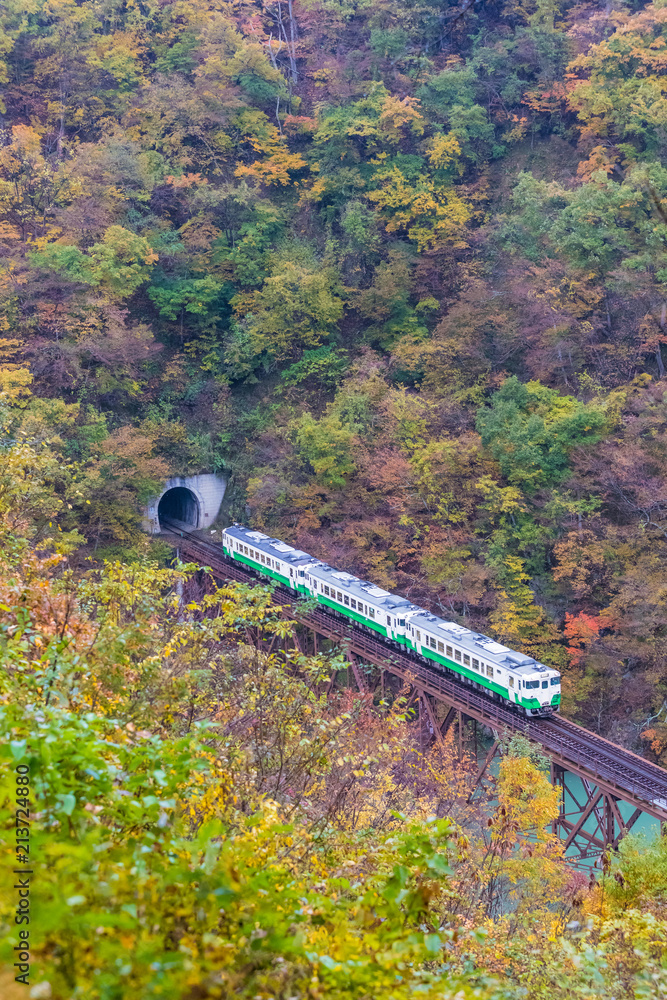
[[432, 943], [18, 748], [68, 803]]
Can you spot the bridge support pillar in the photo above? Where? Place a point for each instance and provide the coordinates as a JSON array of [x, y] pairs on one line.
[[355, 663], [590, 820]]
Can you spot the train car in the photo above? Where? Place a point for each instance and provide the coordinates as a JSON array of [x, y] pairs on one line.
[[506, 675], [503, 673], [268, 556], [364, 603]]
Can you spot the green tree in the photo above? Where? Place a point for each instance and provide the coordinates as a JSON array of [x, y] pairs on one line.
[[327, 444], [296, 307], [118, 265], [531, 431]]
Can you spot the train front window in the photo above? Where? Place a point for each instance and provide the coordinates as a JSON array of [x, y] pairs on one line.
[[545, 684], [555, 681]]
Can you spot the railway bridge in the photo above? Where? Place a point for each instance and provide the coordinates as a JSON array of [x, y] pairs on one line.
[[605, 789]]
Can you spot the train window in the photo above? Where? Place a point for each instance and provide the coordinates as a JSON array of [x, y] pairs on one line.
[[545, 684], [388, 620], [511, 682], [326, 590], [489, 670], [554, 681], [532, 684], [449, 652], [353, 603], [466, 659], [457, 655], [401, 621], [371, 612], [475, 664], [441, 647], [419, 636], [346, 599], [432, 643]]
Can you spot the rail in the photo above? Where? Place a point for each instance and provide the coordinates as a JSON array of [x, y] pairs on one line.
[[615, 770]]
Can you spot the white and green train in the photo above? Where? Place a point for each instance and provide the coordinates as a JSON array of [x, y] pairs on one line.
[[516, 679]]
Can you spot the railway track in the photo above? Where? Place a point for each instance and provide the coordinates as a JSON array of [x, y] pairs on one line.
[[615, 770]]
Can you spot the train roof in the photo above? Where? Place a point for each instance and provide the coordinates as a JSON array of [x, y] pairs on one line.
[[271, 546], [369, 592], [478, 644]]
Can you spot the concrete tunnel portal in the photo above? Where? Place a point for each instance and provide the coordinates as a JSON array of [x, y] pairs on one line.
[[193, 500], [179, 504]]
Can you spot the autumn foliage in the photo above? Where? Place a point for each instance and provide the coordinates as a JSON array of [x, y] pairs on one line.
[[398, 271]]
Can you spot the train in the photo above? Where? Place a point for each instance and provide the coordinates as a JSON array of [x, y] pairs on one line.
[[529, 687]]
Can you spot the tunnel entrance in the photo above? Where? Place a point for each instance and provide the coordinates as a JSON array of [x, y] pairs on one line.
[[179, 504]]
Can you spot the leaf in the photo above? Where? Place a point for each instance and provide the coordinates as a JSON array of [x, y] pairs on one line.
[[18, 748], [432, 943], [68, 803]]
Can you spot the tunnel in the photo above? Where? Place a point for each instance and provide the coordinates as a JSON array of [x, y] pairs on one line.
[[179, 504]]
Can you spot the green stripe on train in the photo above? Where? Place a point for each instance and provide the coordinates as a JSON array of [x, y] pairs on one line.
[[352, 614], [264, 570], [430, 654], [485, 682]]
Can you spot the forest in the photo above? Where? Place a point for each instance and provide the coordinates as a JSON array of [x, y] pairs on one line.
[[398, 270]]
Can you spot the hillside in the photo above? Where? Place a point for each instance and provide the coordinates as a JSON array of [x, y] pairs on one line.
[[399, 271]]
